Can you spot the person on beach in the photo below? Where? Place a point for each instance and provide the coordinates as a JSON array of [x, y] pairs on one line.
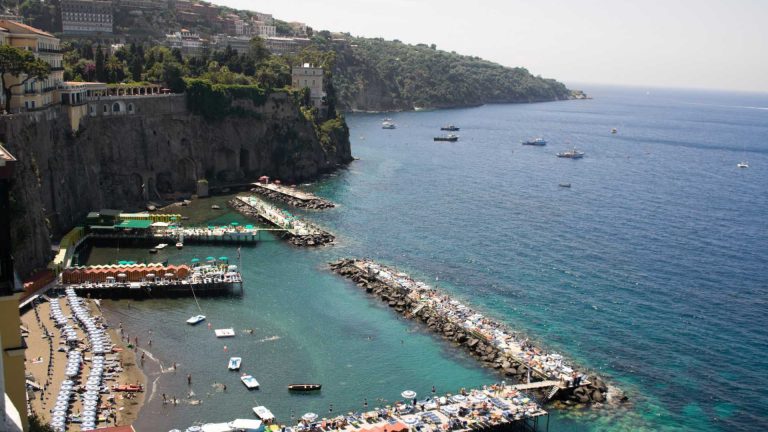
[[189, 379]]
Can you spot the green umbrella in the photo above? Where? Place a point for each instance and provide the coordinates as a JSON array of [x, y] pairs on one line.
[[195, 260], [223, 258], [249, 227], [173, 218], [235, 224], [210, 259]]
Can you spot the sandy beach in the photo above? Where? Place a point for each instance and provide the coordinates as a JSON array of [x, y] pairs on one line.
[[45, 362]]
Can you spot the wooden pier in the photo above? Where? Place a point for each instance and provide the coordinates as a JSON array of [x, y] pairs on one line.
[[159, 288], [300, 232], [291, 195]]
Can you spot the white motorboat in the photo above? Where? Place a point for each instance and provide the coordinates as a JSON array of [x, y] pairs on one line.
[[222, 333], [234, 363], [263, 413], [161, 246], [742, 164], [197, 319], [179, 245], [249, 381]]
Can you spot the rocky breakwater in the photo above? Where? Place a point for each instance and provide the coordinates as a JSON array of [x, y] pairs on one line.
[[491, 343], [292, 197], [297, 232]]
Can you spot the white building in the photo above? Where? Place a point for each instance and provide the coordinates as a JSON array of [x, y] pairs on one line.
[[189, 43], [86, 16], [311, 77]]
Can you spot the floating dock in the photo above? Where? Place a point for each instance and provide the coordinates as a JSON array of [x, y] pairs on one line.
[[196, 235], [155, 280], [299, 232], [492, 343], [291, 195]]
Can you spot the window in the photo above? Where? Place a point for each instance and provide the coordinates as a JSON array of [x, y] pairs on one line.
[[106, 109], [116, 107], [130, 108]]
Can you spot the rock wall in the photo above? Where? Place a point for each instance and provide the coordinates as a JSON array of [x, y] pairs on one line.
[[487, 354], [124, 159]]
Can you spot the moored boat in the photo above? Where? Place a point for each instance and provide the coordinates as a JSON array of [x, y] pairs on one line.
[[571, 154], [196, 319], [179, 245], [565, 185], [161, 246], [450, 128], [304, 387], [263, 413], [222, 333], [743, 164], [388, 124], [449, 137], [249, 381], [234, 363], [535, 142]]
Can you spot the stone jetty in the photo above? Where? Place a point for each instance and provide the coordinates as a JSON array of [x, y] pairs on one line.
[[298, 232], [548, 375], [292, 196]]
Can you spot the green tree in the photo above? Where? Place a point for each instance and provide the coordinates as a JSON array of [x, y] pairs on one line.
[[18, 63], [173, 76], [37, 425], [258, 51], [101, 70]]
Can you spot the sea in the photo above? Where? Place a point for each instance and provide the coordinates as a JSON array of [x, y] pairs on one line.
[[649, 270]]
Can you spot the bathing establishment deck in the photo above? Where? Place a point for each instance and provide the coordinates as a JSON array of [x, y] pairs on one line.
[[291, 195], [145, 289], [280, 218]]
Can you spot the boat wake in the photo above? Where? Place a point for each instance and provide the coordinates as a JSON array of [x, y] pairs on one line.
[[268, 339]]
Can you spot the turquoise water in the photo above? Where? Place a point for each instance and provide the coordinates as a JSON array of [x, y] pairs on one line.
[[648, 269]]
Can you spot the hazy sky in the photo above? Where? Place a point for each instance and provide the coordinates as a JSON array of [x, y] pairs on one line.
[[674, 43]]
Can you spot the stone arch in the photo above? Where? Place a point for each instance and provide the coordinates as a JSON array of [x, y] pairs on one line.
[[225, 164], [165, 182], [118, 107], [186, 172], [245, 160]]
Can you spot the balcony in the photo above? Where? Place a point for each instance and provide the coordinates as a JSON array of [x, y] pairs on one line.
[[50, 50], [30, 91]]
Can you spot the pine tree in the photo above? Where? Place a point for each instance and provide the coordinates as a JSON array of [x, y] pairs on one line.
[[101, 70]]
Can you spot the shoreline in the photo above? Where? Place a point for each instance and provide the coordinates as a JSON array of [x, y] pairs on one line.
[[45, 362]]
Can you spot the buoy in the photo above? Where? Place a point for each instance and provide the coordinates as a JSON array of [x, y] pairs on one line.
[[209, 325], [225, 348]]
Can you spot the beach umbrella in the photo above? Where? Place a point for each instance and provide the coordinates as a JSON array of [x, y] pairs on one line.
[[223, 258], [459, 398], [210, 258], [194, 260], [408, 394], [410, 420], [249, 227], [310, 417], [235, 223], [450, 410]]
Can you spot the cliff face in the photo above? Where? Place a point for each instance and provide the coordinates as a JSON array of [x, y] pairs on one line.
[[153, 146], [379, 75]]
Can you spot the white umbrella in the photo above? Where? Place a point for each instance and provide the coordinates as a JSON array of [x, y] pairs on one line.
[[408, 394], [410, 420], [310, 417]]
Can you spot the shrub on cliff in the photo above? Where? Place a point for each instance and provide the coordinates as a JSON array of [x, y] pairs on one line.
[[215, 101]]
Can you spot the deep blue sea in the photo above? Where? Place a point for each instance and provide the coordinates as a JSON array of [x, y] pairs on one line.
[[650, 268]]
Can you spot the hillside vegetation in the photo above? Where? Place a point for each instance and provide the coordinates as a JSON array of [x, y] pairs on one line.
[[374, 74]]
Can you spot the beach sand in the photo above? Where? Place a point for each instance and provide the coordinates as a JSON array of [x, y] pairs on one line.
[[40, 354]]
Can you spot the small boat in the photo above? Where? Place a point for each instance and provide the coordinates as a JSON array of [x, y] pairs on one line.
[[450, 128], [263, 413], [742, 164], [215, 207], [304, 387], [128, 388], [222, 333], [197, 319], [179, 245], [449, 137], [249, 382], [161, 246], [565, 185], [571, 154], [234, 363], [153, 251], [535, 142], [388, 125], [613, 131]]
